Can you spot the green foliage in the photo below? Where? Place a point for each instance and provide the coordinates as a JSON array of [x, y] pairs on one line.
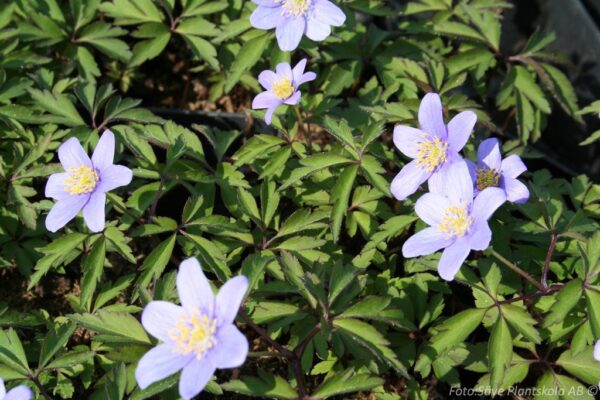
[[303, 210]]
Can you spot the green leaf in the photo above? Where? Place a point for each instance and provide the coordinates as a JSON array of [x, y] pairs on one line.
[[582, 365], [55, 339], [212, 256], [12, 353], [590, 139], [249, 205], [371, 338], [562, 90], [197, 26], [103, 37], [525, 83], [148, 49], [154, 265], [299, 243], [55, 254], [525, 116], [71, 359], [268, 311], [203, 49], [131, 12], [264, 386], [246, 58], [566, 299], [302, 220], [593, 307], [522, 321], [340, 197], [92, 271], [499, 352], [253, 268], [111, 326], [340, 130], [456, 329], [346, 382], [269, 201], [156, 388], [313, 164], [59, 106], [390, 229]]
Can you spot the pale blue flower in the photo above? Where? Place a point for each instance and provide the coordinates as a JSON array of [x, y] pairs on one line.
[[84, 183], [20, 392], [294, 18], [433, 147], [493, 171], [458, 224], [281, 87], [197, 337]]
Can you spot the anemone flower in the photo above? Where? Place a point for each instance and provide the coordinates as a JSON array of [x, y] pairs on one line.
[[597, 350], [433, 147], [84, 183], [294, 18], [281, 87], [458, 224], [492, 171], [197, 337], [20, 392]]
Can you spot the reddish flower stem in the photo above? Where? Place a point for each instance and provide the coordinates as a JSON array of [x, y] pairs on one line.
[[553, 240]]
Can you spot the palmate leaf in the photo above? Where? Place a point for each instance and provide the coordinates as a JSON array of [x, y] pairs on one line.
[[521, 321], [56, 339], [346, 382], [154, 265], [60, 107], [60, 250], [340, 197], [499, 352], [366, 335], [265, 385], [313, 164], [448, 334], [566, 299], [525, 83], [582, 365], [93, 266], [113, 327], [12, 353], [202, 49], [131, 12], [246, 58], [103, 37], [157, 36]]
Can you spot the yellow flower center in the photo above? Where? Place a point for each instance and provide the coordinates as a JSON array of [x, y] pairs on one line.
[[283, 88], [195, 333], [295, 7], [487, 177], [456, 221], [432, 153], [82, 179]]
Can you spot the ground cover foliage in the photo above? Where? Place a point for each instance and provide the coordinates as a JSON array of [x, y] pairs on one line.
[[302, 209]]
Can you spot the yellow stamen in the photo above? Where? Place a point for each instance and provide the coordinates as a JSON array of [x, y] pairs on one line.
[[283, 88], [294, 7], [82, 179], [194, 333], [487, 177], [432, 153], [456, 221]]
